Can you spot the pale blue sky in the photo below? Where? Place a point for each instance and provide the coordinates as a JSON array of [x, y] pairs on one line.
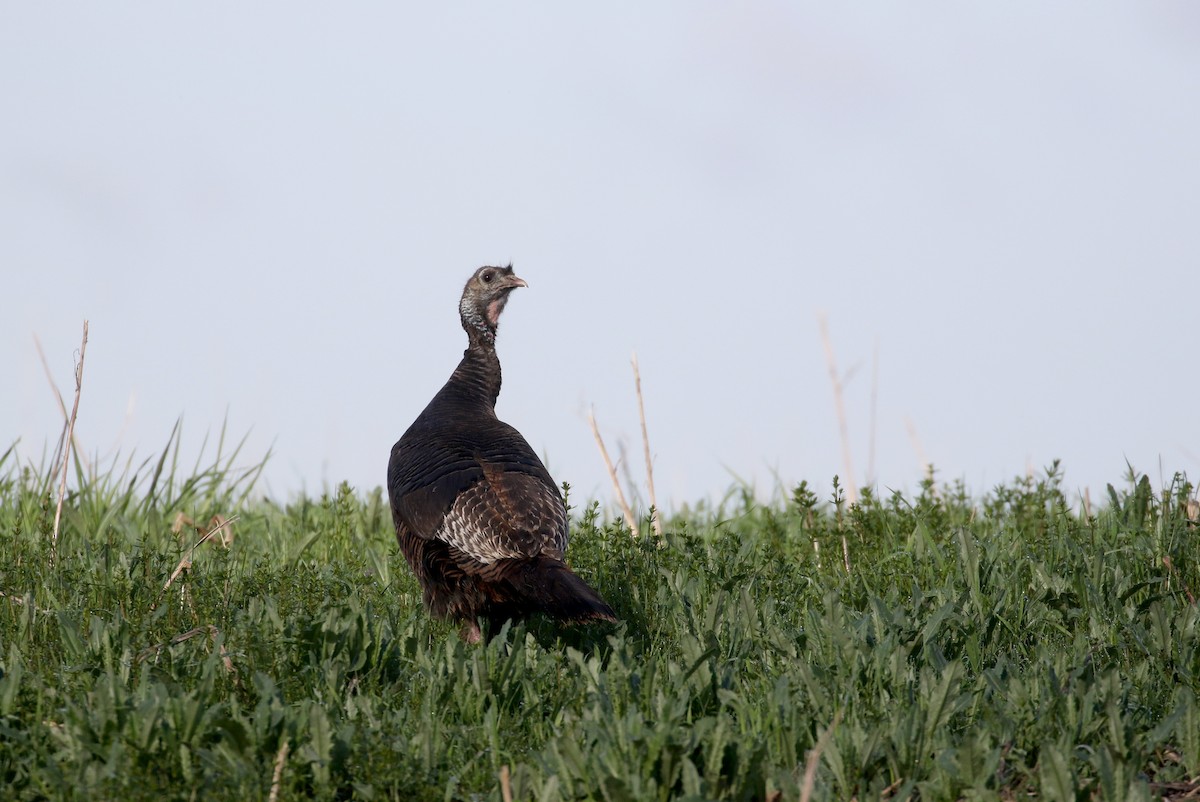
[[271, 208]]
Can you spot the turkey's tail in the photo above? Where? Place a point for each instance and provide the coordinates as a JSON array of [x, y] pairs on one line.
[[548, 585]]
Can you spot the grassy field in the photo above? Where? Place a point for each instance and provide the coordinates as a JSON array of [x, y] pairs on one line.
[[942, 646]]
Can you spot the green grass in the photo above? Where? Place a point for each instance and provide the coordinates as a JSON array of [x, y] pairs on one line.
[[978, 647]]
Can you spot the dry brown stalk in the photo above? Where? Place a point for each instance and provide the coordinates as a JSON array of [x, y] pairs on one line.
[[186, 562], [217, 523], [915, 439], [213, 632], [277, 775], [225, 658], [70, 435], [814, 758], [612, 474], [21, 600], [182, 519], [1166, 561], [222, 525], [926, 466], [839, 403], [874, 416], [152, 651], [637, 382], [505, 784], [62, 405], [184, 565]]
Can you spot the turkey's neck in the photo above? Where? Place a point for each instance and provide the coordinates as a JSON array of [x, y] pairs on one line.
[[479, 371]]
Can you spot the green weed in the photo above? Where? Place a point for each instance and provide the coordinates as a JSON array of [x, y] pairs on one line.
[[952, 646]]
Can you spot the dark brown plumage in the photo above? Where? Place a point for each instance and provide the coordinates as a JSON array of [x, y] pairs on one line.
[[478, 517]]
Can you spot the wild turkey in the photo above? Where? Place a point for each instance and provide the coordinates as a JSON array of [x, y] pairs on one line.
[[478, 517]]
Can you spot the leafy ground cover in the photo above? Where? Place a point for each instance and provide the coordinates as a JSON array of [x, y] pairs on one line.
[[942, 646]]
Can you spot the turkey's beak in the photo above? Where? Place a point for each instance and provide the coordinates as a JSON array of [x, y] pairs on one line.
[[516, 281]]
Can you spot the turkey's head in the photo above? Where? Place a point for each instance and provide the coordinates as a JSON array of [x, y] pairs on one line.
[[484, 297]]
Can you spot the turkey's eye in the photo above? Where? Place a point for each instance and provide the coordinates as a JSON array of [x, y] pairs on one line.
[[487, 277]]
